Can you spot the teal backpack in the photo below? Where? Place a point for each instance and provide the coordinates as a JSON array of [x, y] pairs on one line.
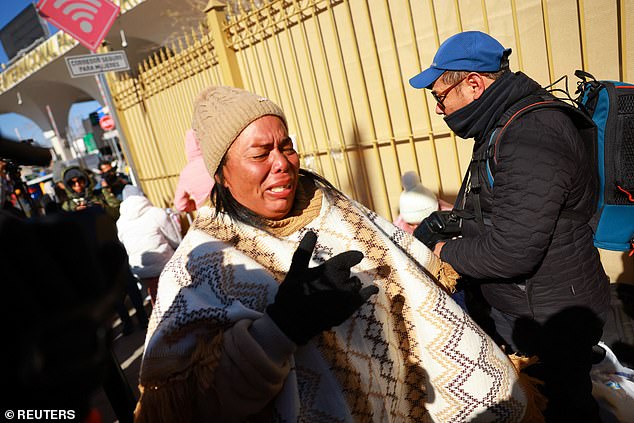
[[610, 104]]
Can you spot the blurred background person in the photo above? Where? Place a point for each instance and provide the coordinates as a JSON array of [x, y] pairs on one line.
[[116, 181], [149, 235], [194, 182], [62, 346], [133, 292], [81, 193], [416, 203], [8, 200]]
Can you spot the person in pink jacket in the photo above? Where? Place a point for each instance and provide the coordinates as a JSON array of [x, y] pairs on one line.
[[194, 182]]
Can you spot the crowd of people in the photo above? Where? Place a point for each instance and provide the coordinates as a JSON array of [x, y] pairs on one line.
[[288, 301], [78, 189]]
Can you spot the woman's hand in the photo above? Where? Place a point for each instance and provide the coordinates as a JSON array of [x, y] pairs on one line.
[[310, 301]]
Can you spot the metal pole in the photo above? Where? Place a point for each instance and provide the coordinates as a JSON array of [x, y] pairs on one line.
[[107, 98], [70, 143]]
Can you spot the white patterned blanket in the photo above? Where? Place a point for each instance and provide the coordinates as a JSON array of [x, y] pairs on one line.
[[409, 354]]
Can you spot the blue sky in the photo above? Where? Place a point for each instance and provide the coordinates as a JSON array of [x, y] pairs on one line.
[[12, 124]]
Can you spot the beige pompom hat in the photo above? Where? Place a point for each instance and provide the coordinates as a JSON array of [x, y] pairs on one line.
[[221, 113]]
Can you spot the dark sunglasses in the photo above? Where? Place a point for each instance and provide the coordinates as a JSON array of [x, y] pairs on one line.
[[440, 97], [76, 181]]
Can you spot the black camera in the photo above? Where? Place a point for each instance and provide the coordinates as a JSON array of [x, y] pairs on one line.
[[23, 153], [438, 226], [110, 177]]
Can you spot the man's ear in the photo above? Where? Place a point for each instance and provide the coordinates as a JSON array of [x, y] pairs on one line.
[[476, 84]]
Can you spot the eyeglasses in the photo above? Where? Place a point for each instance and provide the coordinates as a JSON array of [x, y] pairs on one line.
[[74, 182], [440, 97]]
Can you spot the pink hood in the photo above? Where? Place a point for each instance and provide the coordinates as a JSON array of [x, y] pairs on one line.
[[192, 146], [194, 182]]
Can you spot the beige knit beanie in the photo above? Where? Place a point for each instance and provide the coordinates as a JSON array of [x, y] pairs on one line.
[[221, 113]]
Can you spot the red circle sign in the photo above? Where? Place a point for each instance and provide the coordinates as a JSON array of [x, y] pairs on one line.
[[106, 123]]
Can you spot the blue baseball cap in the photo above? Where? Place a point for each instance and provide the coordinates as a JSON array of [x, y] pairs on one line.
[[472, 51]]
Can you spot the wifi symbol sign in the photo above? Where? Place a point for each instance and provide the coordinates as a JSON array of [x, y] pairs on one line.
[[88, 21], [82, 11]]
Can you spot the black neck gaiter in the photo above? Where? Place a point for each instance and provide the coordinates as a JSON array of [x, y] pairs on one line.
[[476, 118]]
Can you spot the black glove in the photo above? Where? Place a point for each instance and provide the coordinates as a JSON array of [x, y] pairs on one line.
[[310, 301], [438, 226]]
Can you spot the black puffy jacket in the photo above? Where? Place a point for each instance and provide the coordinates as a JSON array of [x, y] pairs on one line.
[[531, 261]]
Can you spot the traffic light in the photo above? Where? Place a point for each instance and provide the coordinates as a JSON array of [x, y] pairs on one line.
[[94, 118]]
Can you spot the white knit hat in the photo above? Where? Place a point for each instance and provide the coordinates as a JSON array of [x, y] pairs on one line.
[[416, 202], [221, 113]]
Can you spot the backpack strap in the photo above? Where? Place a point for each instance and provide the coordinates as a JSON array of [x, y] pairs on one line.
[[530, 103], [580, 118]]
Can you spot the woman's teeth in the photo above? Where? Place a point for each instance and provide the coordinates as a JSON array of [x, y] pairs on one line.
[[279, 189]]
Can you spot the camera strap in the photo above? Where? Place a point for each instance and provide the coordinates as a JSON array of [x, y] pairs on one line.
[[471, 184], [475, 187], [458, 208]]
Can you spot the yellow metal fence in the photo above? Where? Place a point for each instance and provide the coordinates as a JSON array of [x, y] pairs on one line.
[[155, 108], [339, 69]]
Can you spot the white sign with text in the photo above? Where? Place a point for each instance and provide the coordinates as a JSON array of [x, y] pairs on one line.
[[93, 64]]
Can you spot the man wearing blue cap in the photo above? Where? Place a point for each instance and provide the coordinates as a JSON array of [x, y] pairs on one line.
[[526, 247]]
